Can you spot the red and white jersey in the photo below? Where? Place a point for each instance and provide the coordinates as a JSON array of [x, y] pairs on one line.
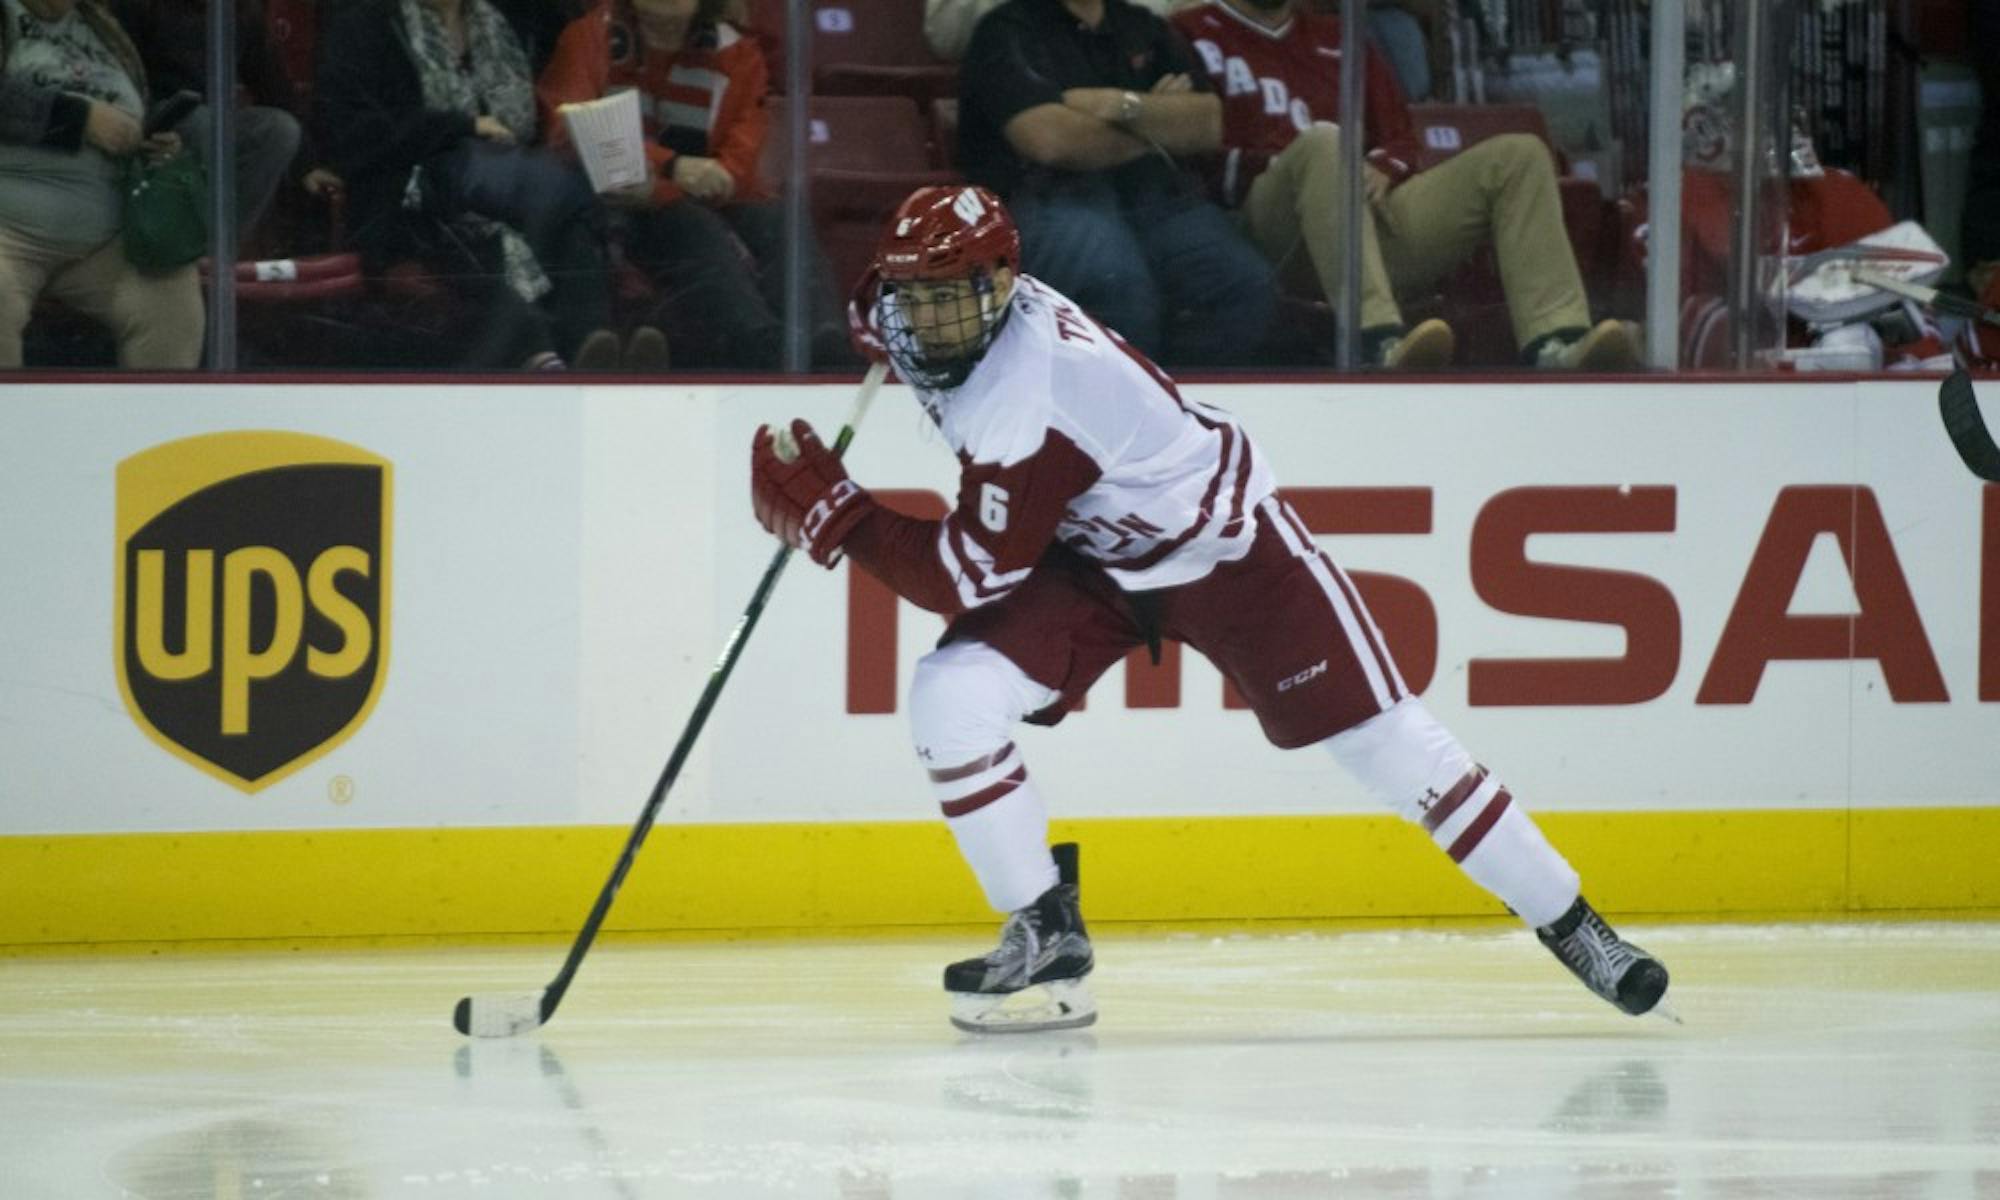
[[1065, 433], [1276, 82]]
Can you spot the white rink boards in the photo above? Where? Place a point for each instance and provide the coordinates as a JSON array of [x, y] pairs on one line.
[[1686, 621]]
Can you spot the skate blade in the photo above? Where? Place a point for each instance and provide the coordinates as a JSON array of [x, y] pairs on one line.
[[1062, 1005], [1666, 1012]]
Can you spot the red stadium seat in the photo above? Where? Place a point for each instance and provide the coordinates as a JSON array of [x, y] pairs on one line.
[[864, 155], [297, 280], [1446, 129], [853, 133], [944, 131], [293, 27], [862, 48]]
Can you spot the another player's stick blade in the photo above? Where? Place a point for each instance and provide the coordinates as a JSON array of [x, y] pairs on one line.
[[1062, 1004], [499, 1015], [1960, 409]]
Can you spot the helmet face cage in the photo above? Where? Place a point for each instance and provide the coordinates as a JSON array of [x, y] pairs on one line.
[[936, 344], [938, 304]]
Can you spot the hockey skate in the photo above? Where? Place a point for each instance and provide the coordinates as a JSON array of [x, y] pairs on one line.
[[1614, 968], [1034, 979]]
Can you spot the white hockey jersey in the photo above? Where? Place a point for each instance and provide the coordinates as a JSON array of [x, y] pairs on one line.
[[1066, 433]]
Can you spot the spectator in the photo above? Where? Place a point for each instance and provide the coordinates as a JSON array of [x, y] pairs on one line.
[[172, 36], [61, 159], [1417, 37], [704, 225], [1279, 68], [1404, 39], [948, 24], [1073, 111], [1412, 32], [427, 110]]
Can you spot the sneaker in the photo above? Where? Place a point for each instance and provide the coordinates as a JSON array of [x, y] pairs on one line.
[[1615, 969], [1034, 979], [597, 352], [646, 350], [1607, 346], [1428, 347]]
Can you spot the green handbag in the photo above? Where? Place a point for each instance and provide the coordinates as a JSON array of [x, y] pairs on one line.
[[166, 212]]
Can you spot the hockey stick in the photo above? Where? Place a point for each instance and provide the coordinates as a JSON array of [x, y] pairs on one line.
[[1960, 409], [506, 1014], [1929, 297]]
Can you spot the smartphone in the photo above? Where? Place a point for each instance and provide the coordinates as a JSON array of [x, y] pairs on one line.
[[170, 112]]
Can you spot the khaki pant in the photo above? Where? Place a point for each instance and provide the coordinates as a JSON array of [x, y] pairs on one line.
[[158, 319], [1503, 189]]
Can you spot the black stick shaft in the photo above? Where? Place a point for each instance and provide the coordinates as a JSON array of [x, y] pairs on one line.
[[1969, 436], [731, 651]]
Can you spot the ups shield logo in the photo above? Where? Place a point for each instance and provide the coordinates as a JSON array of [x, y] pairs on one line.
[[253, 598]]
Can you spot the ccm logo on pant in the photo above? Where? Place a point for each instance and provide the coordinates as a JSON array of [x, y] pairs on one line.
[[252, 598], [1318, 668]]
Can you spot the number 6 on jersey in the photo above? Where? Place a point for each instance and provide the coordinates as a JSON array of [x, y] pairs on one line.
[[993, 507]]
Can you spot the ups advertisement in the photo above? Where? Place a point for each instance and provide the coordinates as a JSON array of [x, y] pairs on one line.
[[252, 615]]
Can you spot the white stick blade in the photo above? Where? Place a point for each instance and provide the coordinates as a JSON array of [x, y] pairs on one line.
[[498, 1015]]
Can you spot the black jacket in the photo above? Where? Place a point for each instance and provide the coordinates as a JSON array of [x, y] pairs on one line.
[[370, 116], [172, 37]]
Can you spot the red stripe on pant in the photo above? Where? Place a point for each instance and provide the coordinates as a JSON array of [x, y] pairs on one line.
[[1476, 832], [985, 796]]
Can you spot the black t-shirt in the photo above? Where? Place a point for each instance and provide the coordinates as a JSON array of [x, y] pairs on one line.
[[1025, 52]]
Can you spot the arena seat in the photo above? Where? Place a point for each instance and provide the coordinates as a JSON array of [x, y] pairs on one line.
[[852, 133], [293, 27], [944, 131], [865, 154], [863, 48]]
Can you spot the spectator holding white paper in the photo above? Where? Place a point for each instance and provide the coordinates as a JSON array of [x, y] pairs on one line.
[[705, 226]]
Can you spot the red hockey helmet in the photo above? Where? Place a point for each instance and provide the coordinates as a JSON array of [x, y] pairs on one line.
[[931, 299], [947, 233]]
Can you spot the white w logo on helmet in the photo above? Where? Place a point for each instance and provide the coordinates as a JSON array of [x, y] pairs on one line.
[[968, 207]]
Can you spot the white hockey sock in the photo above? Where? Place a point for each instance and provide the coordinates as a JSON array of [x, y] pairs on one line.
[[1001, 826], [1411, 763], [1498, 844], [964, 698]]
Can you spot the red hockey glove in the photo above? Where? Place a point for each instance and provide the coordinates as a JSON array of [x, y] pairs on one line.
[[807, 501]]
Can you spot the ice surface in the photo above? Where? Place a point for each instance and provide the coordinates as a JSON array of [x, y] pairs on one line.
[[1818, 1061]]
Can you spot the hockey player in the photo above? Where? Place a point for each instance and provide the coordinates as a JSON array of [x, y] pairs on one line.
[[1099, 510]]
